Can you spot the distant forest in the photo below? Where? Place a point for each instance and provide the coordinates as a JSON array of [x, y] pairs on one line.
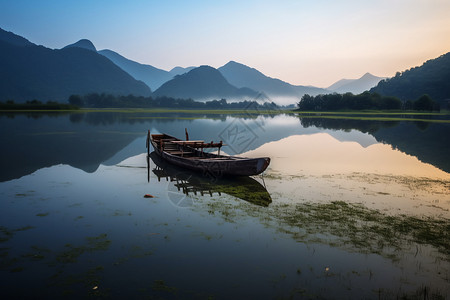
[[95, 100], [364, 101]]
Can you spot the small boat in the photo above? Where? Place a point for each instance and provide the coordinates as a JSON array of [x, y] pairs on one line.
[[189, 154], [189, 184]]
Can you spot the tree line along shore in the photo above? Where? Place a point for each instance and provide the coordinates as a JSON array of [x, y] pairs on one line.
[[323, 102]]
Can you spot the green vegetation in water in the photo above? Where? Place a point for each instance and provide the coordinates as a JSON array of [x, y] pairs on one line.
[[247, 192], [361, 228], [83, 285], [16, 270], [121, 213], [161, 286], [42, 214], [349, 226], [7, 233], [37, 253], [96, 243]]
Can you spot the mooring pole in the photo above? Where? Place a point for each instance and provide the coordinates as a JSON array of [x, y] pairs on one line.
[[148, 168], [187, 135], [147, 144]]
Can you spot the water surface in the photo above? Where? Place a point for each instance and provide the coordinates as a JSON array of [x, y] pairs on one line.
[[345, 210]]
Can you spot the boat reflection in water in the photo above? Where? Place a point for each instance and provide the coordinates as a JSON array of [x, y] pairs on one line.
[[187, 183]]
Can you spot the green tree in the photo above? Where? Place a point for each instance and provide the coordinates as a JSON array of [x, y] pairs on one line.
[[423, 103], [76, 100], [306, 103]]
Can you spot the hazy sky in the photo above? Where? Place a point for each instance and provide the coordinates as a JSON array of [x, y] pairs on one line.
[[314, 42]]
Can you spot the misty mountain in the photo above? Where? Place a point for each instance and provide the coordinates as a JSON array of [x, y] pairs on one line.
[[85, 44], [153, 77], [241, 75], [355, 86], [28, 72], [204, 83], [432, 78], [180, 70]]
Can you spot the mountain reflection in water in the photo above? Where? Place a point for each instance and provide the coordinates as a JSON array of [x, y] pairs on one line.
[[428, 141], [322, 154], [87, 140], [192, 184]]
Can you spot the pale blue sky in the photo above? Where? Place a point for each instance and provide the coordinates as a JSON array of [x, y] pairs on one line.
[[302, 42]]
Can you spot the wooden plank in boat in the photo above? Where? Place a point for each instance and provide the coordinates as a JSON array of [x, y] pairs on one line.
[[179, 152]]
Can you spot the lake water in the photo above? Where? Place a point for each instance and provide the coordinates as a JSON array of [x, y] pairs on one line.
[[347, 209]]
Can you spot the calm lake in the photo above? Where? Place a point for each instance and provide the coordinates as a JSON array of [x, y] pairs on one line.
[[348, 209]]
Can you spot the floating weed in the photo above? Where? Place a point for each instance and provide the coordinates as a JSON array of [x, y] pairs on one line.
[[160, 285], [121, 213], [78, 218], [42, 214], [6, 262], [139, 252], [365, 229], [73, 283], [16, 270], [4, 252], [422, 292], [96, 243], [37, 253], [349, 226], [70, 255], [6, 233], [33, 256]]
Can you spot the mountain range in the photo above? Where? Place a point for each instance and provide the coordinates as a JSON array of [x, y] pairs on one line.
[[241, 76], [203, 83], [355, 86], [153, 77], [150, 75], [28, 71]]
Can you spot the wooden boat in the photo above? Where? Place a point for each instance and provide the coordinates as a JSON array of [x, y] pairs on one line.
[[192, 184], [189, 154]]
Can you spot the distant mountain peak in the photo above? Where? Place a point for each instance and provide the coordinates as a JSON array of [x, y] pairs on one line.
[[279, 91], [180, 70], [233, 62], [355, 86], [14, 39], [203, 83], [83, 43], [368, 75]]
